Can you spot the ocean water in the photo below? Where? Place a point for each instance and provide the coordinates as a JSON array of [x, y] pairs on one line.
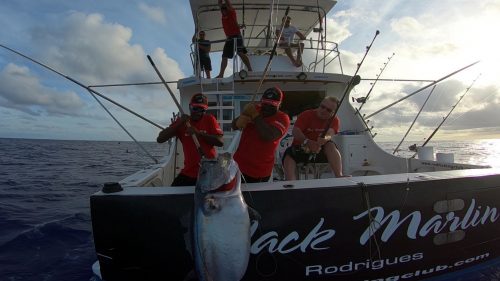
[[45, 185]]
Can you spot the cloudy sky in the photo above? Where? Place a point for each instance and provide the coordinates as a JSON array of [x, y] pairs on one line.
[[106, 42]]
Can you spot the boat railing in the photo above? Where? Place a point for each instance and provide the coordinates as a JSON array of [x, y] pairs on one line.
[[317, 54]]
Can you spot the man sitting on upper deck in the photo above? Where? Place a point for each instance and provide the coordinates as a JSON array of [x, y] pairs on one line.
[[204, 127], [286, 41], [232, 31], [263, 126], [306, 139]]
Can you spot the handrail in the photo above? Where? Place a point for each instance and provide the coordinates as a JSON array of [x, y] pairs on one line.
[[330, 52]]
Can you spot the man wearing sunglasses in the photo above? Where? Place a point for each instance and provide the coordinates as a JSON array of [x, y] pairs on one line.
[[306, 139], [262, 125], [207, 131]]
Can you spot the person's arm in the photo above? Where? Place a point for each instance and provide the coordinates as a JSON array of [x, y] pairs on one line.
[[301, 36], [240, 122], [171, 130], [266, 131], [328, 136], [216, 140], [204, 47]]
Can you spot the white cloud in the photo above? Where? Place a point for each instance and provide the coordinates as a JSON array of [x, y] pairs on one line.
[[21, 90], [154, 13]]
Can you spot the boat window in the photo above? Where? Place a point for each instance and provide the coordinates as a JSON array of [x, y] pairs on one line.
[[297, 101]]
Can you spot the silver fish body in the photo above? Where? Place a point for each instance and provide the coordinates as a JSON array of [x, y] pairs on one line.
[[221, 229]]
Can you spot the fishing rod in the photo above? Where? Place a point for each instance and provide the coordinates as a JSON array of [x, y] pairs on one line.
[[129, 84], [266, 69], [423, 88], [364, 99], [320, 35], [195, 139], [355, 79], [414, 120], [81, 85], [449, 113], [123, 128]]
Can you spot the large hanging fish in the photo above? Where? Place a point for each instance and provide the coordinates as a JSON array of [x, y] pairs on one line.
[[221, 242]]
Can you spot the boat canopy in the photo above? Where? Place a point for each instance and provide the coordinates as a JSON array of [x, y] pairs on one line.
[[258, 19]]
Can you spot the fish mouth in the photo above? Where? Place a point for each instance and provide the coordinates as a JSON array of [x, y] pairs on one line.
[[218, 175]]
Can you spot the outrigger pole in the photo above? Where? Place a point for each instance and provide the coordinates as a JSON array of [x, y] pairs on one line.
[[365, 99], [446, 117], [195, 139], [414, 120], [81, 85], [421, 89], [355, 79]]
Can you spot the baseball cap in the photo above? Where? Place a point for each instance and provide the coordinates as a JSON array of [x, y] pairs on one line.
[[272, 96], [199, 100]]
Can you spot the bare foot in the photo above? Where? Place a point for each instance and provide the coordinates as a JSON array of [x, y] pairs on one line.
[[220, 76], [297, 64]]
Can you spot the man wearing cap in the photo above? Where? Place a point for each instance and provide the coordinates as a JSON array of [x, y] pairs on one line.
[[306, 133], [232, 31], [263, 125], [207, 131]]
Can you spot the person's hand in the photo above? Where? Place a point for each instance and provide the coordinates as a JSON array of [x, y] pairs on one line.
[[184, 118], [251, 110], [321, 141], [243, 121], [313, 146]]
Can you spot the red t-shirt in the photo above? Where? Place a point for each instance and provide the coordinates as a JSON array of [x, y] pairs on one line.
[[230, 23], [254, 156], [207, 124], [312, 126]]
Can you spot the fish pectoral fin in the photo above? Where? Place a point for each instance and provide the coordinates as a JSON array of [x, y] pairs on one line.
[[253, 214]]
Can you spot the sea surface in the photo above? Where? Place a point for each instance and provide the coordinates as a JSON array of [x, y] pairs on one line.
[[45, 185]]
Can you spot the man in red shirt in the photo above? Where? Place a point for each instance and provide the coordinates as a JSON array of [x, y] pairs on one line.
[[232, 31], [263, 126], [207, 131], [306, 139]]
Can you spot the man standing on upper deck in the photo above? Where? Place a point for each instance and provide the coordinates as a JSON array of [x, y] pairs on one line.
[[232, 31], [263, 126], [203, 53], [204, 127]]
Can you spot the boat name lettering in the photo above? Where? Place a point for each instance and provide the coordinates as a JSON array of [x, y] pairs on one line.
[[416, 227], [319, 237], [314, 240]]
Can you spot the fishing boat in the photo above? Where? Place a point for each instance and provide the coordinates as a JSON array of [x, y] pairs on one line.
[[395, 218]]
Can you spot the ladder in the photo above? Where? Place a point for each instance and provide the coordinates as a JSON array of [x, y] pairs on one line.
[[221, 103]]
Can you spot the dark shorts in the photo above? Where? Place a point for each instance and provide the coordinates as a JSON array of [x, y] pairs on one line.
[[228, 51], [300, 156], [183, 180], [205, 63]]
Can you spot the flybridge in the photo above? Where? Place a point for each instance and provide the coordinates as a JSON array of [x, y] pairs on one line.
[[258, 22]]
